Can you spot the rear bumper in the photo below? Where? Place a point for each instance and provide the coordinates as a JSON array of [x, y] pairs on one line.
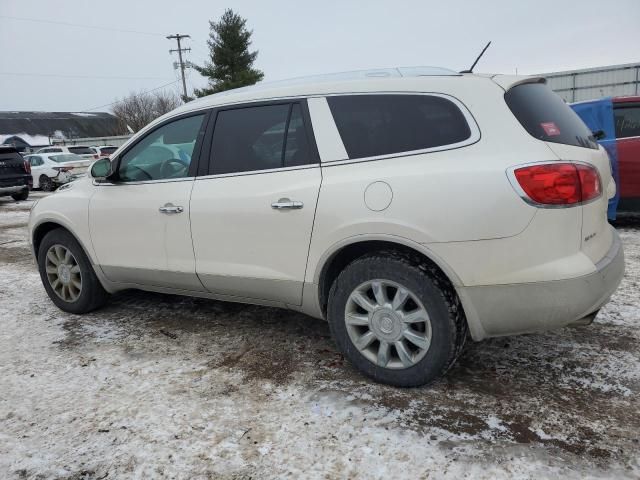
[[497, 310]]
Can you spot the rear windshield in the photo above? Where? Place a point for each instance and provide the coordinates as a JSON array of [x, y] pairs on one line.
[[81, 150], [546, 117], [65, 158]]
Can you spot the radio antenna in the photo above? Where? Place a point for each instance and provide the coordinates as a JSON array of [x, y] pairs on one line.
[[477, 59]]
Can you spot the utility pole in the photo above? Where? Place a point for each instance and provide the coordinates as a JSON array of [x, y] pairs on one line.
[[178, 37]]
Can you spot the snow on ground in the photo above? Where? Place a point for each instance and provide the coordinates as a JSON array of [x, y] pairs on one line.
[[155, 386]]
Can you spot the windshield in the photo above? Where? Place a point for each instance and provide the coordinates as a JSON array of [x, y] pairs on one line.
[[69, 157]]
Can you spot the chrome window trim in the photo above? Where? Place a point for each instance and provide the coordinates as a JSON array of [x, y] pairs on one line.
[[510, 172], [142, 182], [258, 172], [474, 137]]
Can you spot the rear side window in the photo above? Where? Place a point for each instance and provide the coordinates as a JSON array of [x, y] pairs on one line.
[[373, 125], [546, 117], [259, 138], [627, 121], [81, 150]]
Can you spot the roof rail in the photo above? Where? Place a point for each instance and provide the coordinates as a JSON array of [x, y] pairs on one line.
[[395, 72]]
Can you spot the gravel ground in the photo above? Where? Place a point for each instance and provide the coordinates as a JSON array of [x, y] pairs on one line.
[[156, 386]]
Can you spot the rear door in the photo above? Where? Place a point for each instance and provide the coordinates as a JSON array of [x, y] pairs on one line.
[[252, 212]]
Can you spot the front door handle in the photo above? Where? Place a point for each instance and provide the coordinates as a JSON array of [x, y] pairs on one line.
[[286, 204], [170, 208]]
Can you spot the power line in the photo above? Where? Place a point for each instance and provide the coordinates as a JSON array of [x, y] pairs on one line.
[[178, 37], [62, 75], [69, 24], [136, 95]]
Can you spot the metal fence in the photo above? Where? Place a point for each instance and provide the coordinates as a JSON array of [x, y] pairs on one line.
[[94, 141]]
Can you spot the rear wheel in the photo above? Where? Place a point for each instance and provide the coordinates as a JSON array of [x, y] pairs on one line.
[[46, 184], [23, 195], [398, 322], [67, 274]]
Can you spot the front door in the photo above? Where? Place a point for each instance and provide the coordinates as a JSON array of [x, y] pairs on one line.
[[252, 215], [139, 224]]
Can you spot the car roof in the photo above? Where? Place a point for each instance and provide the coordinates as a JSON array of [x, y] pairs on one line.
[[327, 83], [400, 79]]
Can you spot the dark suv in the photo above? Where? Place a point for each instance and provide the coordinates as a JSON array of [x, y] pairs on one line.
[[15, 174]]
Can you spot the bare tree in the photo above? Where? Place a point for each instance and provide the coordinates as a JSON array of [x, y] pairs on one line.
[[138, 109]]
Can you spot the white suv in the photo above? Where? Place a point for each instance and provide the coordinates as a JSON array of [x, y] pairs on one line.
[[408, 207]]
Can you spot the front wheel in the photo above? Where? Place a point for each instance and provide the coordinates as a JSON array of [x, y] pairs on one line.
[[397, 322], [67, 274]]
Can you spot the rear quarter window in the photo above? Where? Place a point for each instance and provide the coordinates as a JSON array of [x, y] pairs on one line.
[[546, 117], [375, 125]]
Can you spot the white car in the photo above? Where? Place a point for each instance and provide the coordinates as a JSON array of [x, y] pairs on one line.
[[50, 170], [407, 207], [85, 152]]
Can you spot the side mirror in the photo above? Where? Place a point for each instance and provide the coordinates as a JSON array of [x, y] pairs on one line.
[[101, 169]]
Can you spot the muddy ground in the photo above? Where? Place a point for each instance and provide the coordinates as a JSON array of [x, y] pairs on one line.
[[156, 386]]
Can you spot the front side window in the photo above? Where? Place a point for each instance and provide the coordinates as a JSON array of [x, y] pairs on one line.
[[627, 121], [259, 138], [164, 153], [374, 125]]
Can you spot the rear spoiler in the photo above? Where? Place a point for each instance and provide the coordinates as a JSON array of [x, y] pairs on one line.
[[507, 82]]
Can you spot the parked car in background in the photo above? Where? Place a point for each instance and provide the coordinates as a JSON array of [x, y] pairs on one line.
[[104, 151], [626, 111], [368, 199], [84, 152], [15, 174], [618, 121], [50, 170]]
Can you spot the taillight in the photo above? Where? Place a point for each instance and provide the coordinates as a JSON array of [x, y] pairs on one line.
[[27, 167], [559, 183], [96, 156], [62, 169]]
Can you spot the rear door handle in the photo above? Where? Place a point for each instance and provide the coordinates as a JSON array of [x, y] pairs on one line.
[[170, 208], [286, 204]]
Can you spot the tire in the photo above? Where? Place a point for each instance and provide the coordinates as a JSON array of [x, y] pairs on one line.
[[90, 296], [23, 195], [442, 335], [46, 184]]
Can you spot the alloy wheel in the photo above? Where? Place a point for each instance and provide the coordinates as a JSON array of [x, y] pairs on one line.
[[388, 324], [63, 273]]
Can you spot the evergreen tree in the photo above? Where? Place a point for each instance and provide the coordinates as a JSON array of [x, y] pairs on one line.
[[231, 62]]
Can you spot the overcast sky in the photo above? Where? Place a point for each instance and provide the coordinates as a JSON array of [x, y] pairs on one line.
[[58, 66]]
